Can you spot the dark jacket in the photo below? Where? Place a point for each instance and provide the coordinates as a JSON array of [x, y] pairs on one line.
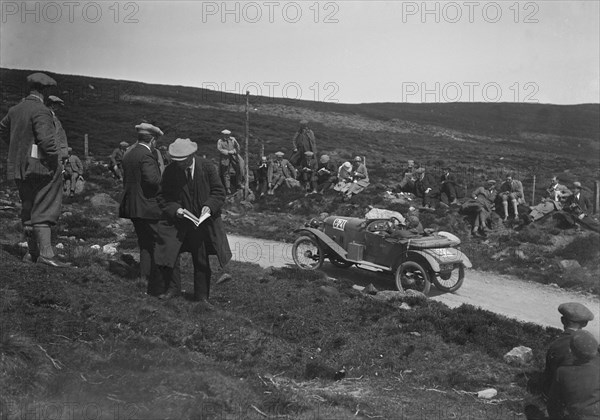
[[27, 123], [141, 181], [428, 181], [578, 205], [575, 391], [174, 193], [73, 164], [558, 354]]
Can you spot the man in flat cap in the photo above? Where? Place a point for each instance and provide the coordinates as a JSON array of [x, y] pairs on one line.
[[511, 190], [116, 160], [280, 170], [55, 103], [73, 170], [426, 186], [360, 177], [141, 181], [326, 174], [448, 186], [190, 184], [303, 141], [578, 208], [575, 317], [575, 389], [34, 165], [229, 148], [308, 171]]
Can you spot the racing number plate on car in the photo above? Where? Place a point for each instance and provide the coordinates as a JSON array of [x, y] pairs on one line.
[[339, 224]]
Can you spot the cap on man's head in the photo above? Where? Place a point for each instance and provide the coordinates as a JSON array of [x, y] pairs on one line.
[[69, 149], [577, 184], [420, 170], [576, 312], [41, 79], [123, 144], [324, 158], [181, 149], [55, 100], [145, 128], [491, 181], [303, 122], [411, 163], [308, 153], [279, 154], [226, 132], [358, 159], [583, 345], [347, 165]]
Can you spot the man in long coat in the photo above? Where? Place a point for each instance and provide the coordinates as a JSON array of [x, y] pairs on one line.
[[141, 181], [34, 165], [190, 183], [303, 141]]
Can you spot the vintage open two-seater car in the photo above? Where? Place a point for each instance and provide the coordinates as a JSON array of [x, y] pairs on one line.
[[416, 260]]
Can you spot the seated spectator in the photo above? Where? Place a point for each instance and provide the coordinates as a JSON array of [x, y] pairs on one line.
[[360, 177], [578, 208], [344, 177], [448, 186], [116, 157], [308, 172], [575, 388], [511, 190], [326, 174], [556, 194], [261, 176], [480, 207], [426, 187], [73, 169], [408, 179], [280, 170]]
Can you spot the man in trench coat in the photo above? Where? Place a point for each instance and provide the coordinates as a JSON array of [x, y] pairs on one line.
[[190, 183]]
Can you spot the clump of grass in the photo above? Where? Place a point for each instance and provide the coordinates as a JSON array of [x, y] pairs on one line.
[[531, 234], [83, 227], [584, 249]]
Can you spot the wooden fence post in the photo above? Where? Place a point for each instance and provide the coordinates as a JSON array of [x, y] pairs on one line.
[[533, 192], [596, 196]]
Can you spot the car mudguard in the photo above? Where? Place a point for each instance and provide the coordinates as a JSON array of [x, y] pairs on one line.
[[435, 256], [333, 247]]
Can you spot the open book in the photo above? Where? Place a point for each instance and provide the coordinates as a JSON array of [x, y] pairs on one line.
[[195, 220]]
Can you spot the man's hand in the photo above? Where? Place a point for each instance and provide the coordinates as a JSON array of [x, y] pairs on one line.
[[581, 216], [428, 190], [232, 152], [205, 210], [179, 212]]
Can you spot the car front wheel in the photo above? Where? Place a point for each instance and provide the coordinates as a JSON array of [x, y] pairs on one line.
[[449, 281], [411, 275], [307, 253]]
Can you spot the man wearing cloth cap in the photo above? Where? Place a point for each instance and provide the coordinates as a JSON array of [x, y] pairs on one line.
[[73, 170], [309, 172], [575, 316], [116, 159], [228, 148], [575, 389], [303, 141], [190, 183], [141, 181], [279, 170], [34, 165], [54, 103], [326, 174], [448, 186], [511, 190], [425, 186], [481, 206]]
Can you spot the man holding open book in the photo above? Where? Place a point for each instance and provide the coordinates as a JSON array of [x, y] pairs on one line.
[[191, 196]]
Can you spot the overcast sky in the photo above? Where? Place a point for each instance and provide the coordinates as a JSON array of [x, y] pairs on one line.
[[345, 51]]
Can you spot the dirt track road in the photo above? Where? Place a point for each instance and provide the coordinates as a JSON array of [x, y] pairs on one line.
[[505, 295]]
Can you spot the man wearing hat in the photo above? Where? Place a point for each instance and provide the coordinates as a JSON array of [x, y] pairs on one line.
[[304, 140], [190, 184], [34, 165], [73, 169], [426, 186], [578, 208], [575, 388], [326, 174], [344, 176], [408, 178], [575, 317], [261, 176], [141, 180], [116, 159], [309, 167], [448, 186], [54, 103], [229, 148], [480, 207], [279, 171]]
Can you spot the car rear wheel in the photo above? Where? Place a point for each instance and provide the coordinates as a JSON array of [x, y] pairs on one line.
[[411, 275], [449, 281], [340, 262], [307, 253]]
